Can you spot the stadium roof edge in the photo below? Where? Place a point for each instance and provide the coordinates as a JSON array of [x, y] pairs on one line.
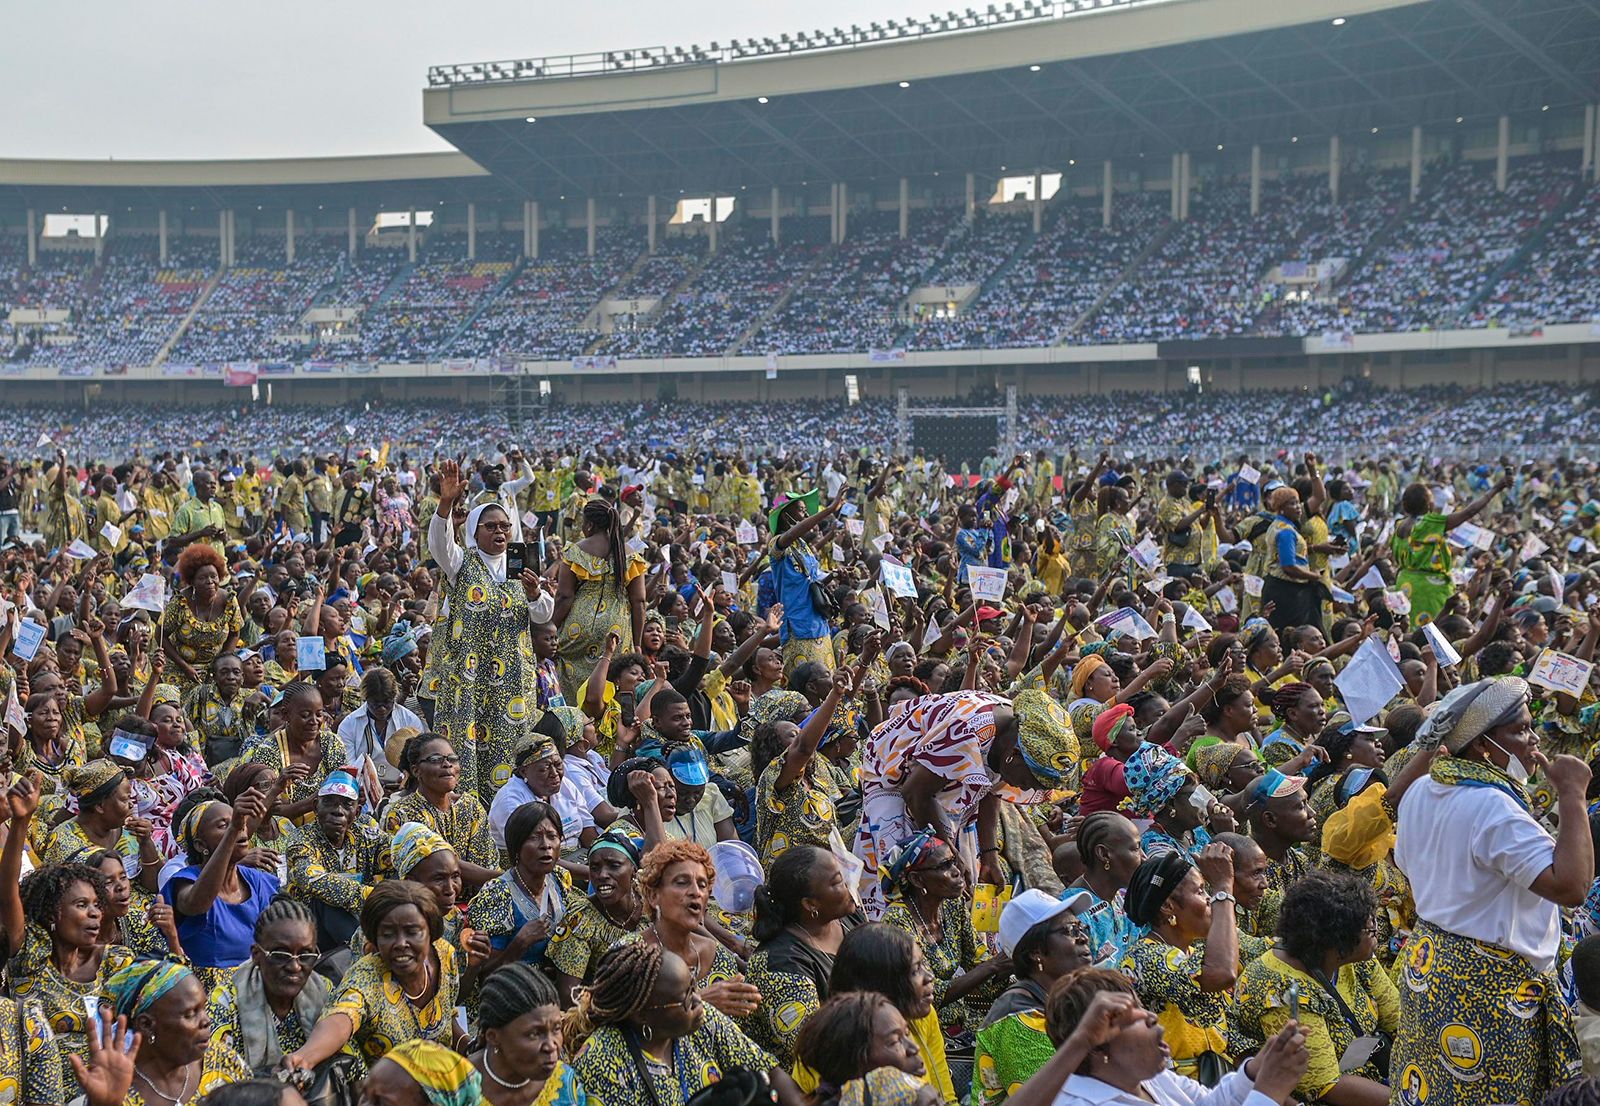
[[250, 173], [1079, 35]]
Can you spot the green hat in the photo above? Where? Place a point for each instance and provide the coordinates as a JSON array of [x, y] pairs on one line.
[[812, 499]]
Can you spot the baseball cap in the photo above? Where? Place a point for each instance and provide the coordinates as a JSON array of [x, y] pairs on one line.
[[986, 614], [688, 765], [1030, 908], [1275, 785]]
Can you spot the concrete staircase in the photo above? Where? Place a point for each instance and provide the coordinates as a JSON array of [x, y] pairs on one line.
[[1151, 248], [483, 305], [778, 304], [183, 324]]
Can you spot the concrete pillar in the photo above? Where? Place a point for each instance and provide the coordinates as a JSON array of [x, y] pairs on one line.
[[1255, 180], [411, 236], [233, 238], [774, 216], [161, 234], [1038, 201], [1416, 161], [1588, 137], [472, 231], [222, 239], [33, 236], [1594, 158], [1174, 184], [1105, 195], [650, 222], [905, 208], [99, 237], [533, 229], [1502, 154], [288, 236], [1183, 187], [588, 217], [844, 211], [715, 227], [1333, 168], [972, 197], [350, 228]]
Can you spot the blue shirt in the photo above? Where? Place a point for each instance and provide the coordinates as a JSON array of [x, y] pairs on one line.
[[222, 936], [800, 618], [973, 545], [1287, 542]]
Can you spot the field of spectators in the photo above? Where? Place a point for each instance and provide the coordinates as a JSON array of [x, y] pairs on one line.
[[1559, 282]]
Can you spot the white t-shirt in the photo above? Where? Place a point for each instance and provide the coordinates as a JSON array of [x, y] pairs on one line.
[[353, 733], [1167, 1088], [568, 803], [1471, 854], [700, 824]]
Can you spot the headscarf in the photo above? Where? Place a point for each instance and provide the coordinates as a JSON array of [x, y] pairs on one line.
[[1086, 668], [1154, 778], [188, 832], [136, 987], [1044, 736], [617, 842], [342, 783], [909, 854], [87, 780], [1211, 763], [564, 725], [414, 843], [1314, 665], [1152, 883], [446, 1077], [882, 1087], [1108, 725], [1470, 711], [495, 565], [399, 643], [1360, 832]]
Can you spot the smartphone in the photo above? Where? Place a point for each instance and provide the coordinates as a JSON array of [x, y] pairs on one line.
[[517, 559], [625, 701], [1294, 1000]]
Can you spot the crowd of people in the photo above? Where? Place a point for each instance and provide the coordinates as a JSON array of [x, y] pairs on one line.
[[642, 773], [1455, 257]]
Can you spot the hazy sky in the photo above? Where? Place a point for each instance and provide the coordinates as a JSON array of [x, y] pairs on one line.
[[185, 79]]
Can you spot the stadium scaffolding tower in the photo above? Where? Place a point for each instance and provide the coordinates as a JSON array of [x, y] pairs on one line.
[[1006, 431]]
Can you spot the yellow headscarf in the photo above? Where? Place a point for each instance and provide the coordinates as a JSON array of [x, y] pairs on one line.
[[445, 1076]]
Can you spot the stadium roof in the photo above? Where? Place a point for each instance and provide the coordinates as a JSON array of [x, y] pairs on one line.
[[1038, 84]]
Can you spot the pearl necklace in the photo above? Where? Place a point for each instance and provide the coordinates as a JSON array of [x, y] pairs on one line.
[[489, 1069]]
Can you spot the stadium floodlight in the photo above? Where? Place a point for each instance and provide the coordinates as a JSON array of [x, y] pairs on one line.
[[905, 84], [761, 100], [1034, 68], [1339, 22]]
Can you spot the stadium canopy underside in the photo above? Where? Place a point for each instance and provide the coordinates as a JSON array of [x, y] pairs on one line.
[[1121, 79]]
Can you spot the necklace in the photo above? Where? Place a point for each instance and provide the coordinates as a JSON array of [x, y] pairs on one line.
[[489, 1070], [427, 978], [183, 1095], [928, 929], [634, 913]]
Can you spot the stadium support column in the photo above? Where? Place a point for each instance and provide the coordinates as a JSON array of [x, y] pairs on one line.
[[844, 211], [411, 235], [33, 236], [1183, 187], [905, 208], [1416, 162], [1105, 195], [1038, 201], [972, 196], [588, 219], [1588, 140], [1502, 154], [1333, 168], [1173, 182], [350, 231], [650, 222], [774, 217], [472, 231], [715, 227], [833, 214], [161, 236], [1255, 180], [222, 239], [531, 224], [288, 236], [100, 227]]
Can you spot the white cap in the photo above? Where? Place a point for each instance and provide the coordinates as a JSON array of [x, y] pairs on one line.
[[1030, 908]]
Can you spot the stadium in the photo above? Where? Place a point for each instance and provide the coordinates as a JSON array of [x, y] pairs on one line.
[[1078, 198]]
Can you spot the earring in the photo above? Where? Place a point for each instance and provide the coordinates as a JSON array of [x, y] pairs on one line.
[[1171, 919], [813, 912], [646, 1034], [1106, 865]]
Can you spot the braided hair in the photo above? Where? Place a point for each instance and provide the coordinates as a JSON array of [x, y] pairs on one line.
[[1095, 831], [42, 890], [1579, 1092], [598, 514], [624, 978], [283, 908], [1284, 699], [511, 992]]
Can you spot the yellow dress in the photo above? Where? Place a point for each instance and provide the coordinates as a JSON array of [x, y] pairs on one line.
[[600, 608]]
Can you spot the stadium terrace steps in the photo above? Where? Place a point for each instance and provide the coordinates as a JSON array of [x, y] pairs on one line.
[[1524, 250], [777, 305], [483, 304], [392, 289], [183, 324], [1157, 241]]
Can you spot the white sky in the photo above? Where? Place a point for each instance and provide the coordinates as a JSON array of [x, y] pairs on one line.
[[186, 79]]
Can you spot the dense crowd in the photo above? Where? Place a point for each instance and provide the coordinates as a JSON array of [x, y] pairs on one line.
[[645, 768], [1464, 254]]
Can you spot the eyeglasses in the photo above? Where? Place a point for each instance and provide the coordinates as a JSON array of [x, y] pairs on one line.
[[685, 1003], [280, 959], [497, 526], [441, 760]]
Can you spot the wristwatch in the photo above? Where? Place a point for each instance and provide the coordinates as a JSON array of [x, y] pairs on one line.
[[1221, 896]]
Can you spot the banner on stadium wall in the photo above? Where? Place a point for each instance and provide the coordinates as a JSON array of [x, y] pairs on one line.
[[10, 369], [458, 365], [505, 365], [240, 374], [274, 368], [1338, 339], [597, 361], [317, 367], [879, 355], [1536, 330], [115, 370], [361, 368], [169, 369], [76, 370], [213, 370]]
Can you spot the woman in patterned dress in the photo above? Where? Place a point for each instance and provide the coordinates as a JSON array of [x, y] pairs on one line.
[[521, 909], [268, 1005], [202, 620], [435, 798], [488, 683], [595, 923], [519, 1019], [599, 592], [179, 1062]]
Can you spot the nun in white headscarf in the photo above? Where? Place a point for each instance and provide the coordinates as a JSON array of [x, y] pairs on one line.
[[487, 685]]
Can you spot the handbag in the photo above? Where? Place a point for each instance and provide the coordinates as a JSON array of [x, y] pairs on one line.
[[822, 601]]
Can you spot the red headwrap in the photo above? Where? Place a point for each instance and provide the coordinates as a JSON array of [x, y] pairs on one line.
[[1108, 722]]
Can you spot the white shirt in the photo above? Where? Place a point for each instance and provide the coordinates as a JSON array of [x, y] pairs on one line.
[[353, 732], [568, 804], [1167, 1088], [1471, 854]]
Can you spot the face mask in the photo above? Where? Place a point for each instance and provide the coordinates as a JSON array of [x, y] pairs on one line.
[[1202, 801], [1514, 766]]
